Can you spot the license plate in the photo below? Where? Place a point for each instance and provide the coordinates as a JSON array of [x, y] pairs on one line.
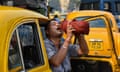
[[96, 45]]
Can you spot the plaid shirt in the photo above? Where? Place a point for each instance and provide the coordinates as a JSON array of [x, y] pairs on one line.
[[52, 50]]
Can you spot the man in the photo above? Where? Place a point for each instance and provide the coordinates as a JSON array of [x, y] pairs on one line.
[[59, 52]]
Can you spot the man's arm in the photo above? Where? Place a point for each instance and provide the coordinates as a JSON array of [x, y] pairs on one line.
[[58, 58], [83, 45]]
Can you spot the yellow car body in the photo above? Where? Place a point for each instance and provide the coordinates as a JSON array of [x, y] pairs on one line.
[[16, 49], [103, 41]]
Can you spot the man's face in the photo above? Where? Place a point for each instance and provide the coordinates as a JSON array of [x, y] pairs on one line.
[[54, 29]]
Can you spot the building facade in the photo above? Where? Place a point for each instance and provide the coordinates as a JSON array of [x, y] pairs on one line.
[[64, 6]]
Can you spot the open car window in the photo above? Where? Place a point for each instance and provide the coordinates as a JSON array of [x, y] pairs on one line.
[[96, 23], [26, 52]]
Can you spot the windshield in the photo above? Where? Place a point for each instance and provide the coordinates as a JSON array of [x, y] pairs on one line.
[[95, 23]]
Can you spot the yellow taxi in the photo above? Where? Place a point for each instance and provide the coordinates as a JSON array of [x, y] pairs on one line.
[[21, 41], [103, 42]]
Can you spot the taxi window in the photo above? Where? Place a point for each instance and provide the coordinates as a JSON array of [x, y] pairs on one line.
[[43, 32], [14, 60], [96, 23], [29, 48]]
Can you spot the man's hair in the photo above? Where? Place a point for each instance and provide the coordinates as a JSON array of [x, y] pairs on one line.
[[56, 16], [48, 22]]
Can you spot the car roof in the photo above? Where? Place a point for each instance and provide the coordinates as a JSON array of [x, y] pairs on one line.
[[81, 13], [8, 13]]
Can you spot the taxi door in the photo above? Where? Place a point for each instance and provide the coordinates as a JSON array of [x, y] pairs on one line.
[[99, 39], [26, 52]]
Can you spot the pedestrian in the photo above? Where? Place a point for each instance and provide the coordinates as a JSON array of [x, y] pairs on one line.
[[59, 52]]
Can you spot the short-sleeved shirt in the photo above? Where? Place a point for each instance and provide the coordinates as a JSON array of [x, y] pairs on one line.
[[52, 50]]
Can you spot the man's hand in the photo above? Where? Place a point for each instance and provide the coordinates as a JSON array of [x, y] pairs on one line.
[[69, 30], [83, 45]]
